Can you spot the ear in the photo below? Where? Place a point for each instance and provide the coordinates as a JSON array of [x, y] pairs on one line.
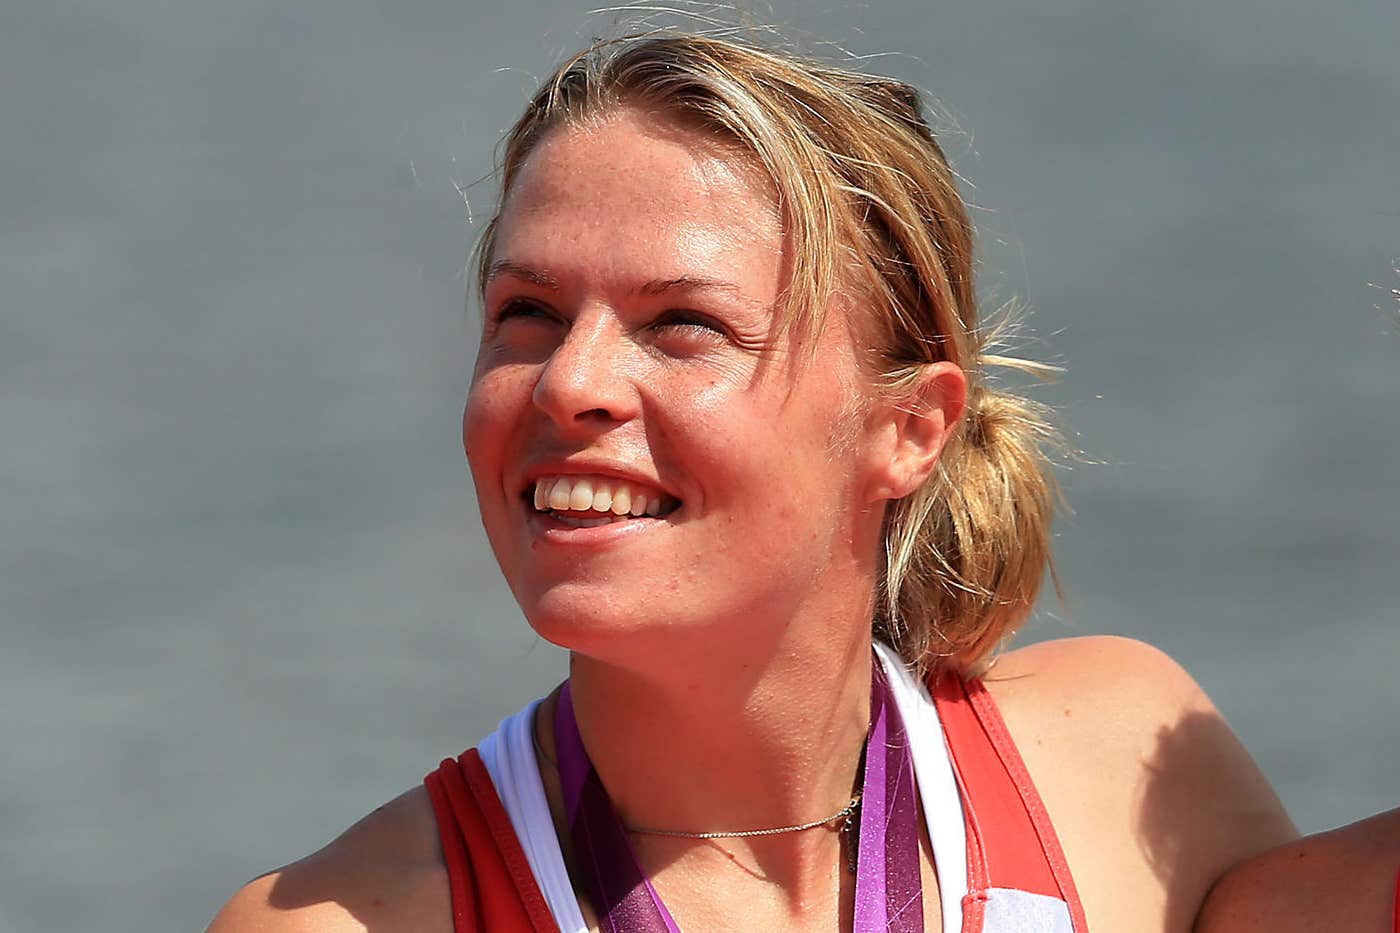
[[909, 432]]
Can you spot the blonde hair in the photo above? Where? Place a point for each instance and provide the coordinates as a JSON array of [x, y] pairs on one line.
[[870, 204]]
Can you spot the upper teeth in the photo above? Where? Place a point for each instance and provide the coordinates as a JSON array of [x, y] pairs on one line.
[[598, 494]]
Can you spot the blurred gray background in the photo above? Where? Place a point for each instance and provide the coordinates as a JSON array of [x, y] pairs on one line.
[[243, 590]]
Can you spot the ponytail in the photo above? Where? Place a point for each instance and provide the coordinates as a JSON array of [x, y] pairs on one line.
[[965, 554]]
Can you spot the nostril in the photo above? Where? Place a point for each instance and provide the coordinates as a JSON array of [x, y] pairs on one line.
[[585, 384]]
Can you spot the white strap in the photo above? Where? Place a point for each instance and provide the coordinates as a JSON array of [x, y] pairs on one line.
[[509, 756], [938, 788]]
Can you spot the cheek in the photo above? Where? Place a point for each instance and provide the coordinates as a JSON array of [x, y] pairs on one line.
[[762, 457], [705, 430], [493, 406]]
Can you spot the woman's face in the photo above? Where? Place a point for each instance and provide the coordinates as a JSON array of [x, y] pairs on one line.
[[646, 464]]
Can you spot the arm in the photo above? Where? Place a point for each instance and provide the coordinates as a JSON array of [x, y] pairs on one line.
[[1344, 881]]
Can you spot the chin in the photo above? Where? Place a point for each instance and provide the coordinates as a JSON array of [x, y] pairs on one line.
[[602, 629], [580, 624]]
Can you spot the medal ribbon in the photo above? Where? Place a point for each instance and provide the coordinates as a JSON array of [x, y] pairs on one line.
[[889, 894]]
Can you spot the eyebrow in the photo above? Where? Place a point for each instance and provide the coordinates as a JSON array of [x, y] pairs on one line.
[[521, 271], [685, 283], [654, 287]]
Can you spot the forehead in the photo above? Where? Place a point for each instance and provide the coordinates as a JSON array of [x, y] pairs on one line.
[[630, 196]]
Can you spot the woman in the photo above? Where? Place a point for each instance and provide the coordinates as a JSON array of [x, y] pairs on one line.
[[729, 421]]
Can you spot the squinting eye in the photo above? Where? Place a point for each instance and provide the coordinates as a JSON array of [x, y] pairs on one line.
[[690, 322], [520, 308]]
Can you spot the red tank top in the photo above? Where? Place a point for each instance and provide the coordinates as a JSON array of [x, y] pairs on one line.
[[1010, 842]]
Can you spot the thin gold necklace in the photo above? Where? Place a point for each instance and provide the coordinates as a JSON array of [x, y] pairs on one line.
[[843, 816]]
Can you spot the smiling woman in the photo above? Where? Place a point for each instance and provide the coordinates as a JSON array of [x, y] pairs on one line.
[[734, 448]]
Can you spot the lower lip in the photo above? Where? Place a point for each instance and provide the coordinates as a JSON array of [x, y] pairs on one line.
[[546, 528]]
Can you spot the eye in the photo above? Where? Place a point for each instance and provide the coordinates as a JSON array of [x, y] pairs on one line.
[[523, 309], [684, 322]]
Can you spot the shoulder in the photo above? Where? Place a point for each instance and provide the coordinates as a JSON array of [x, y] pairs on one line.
[[1111, 700], [384, 873], [1152, 794], [1118, 697], [1131, 672]]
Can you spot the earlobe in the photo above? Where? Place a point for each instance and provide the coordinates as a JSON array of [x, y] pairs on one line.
[[916, 429]]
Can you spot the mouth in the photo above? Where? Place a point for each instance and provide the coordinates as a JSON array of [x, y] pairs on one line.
[[588, 501]]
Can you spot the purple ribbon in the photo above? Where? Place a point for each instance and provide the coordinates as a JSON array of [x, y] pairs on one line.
[[624, 898], [889, 894]]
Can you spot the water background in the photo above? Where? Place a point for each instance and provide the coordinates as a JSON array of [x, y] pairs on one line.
[[244, 597]]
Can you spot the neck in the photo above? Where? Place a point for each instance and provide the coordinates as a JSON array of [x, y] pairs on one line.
[[754, 745]]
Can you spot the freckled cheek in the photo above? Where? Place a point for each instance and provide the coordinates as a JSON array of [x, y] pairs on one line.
[[488, 419], [475, 416], [486, 434]]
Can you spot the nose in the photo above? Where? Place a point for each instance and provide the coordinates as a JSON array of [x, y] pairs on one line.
[[585, 383]]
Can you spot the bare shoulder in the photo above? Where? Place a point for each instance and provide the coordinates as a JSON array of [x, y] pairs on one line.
[[384, 873], [1341, 881], [1097, 667], [1152, 794]]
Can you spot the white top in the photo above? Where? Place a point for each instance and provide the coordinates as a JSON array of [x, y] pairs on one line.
[[509, 756]]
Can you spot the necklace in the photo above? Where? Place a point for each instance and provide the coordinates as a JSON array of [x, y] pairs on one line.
[[843, 815]]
